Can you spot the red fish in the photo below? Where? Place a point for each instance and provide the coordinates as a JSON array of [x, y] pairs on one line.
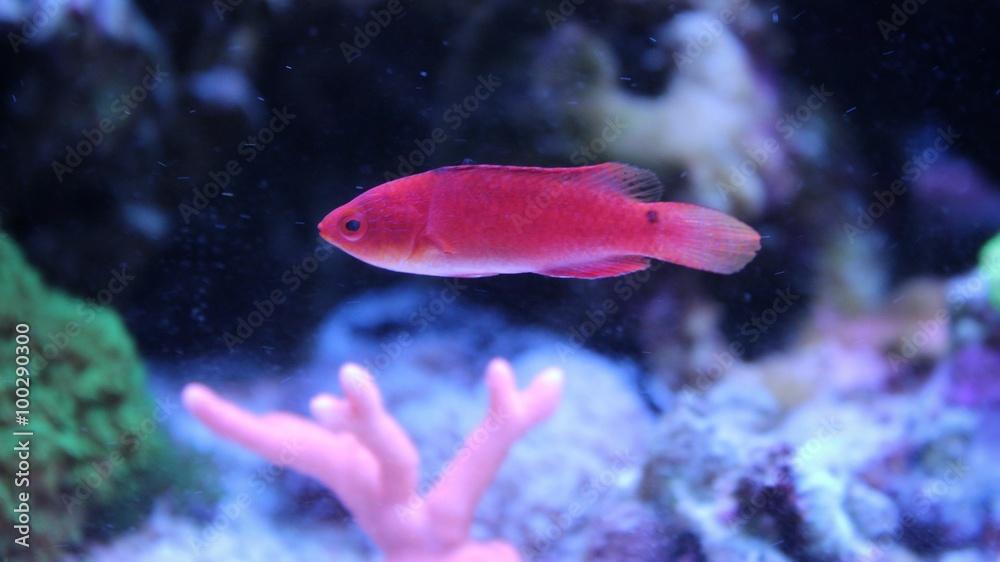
[[587, 222]]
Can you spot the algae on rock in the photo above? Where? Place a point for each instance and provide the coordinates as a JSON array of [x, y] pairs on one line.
[[989, 265], [98, 444]]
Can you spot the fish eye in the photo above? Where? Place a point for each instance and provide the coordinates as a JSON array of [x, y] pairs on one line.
[[352, 228]]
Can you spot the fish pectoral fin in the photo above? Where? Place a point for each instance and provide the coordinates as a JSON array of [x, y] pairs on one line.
[[607, 267], [437, 243]]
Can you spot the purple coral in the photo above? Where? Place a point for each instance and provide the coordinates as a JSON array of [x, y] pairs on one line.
[[975, 377]]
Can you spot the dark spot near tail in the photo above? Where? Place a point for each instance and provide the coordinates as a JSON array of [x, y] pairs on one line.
[[653, 217]]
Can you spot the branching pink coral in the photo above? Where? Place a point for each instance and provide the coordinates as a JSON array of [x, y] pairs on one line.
[[360, 452]]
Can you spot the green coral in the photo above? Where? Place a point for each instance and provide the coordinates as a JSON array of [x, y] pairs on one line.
[[989, 266], [99, 451]]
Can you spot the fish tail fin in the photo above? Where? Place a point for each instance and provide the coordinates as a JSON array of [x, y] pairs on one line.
[[701, 238]]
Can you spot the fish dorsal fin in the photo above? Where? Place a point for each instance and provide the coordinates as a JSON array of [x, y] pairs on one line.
[[616, 177], [607, 267], [633, 182]]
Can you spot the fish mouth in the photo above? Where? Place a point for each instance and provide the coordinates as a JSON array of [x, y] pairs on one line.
[[325, 228]]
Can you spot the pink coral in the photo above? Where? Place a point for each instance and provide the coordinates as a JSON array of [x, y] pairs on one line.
[[360, 452]]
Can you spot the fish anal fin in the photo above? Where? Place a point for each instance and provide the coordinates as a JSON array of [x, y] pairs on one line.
[[607, 267]]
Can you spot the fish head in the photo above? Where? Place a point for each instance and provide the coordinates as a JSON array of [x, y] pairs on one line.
[[378, 227]]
